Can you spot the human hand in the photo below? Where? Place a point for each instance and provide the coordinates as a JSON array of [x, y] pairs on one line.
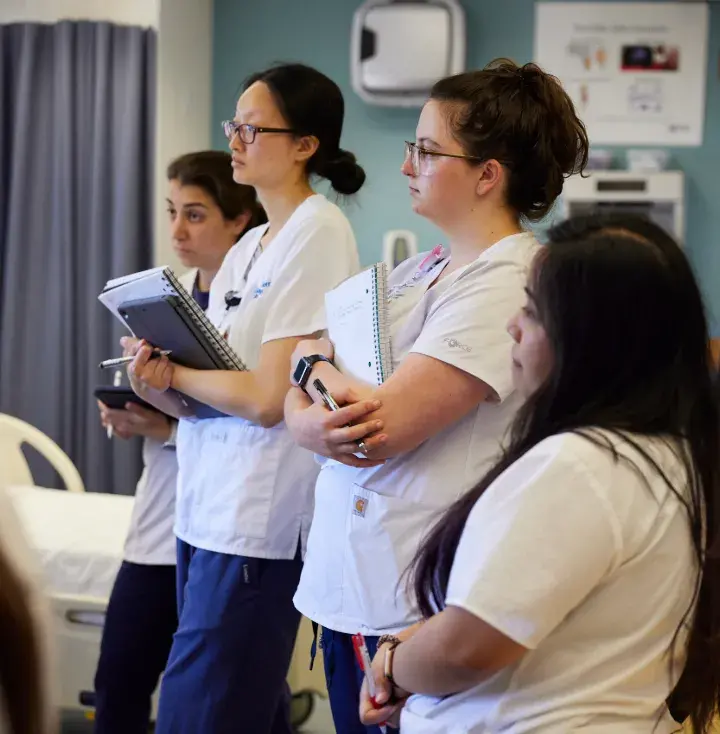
[[147, 372], [329, 433], [136, 421], [130, 345], [389, 700]]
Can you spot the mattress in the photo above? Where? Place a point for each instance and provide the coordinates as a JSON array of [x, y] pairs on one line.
[[79, 536]]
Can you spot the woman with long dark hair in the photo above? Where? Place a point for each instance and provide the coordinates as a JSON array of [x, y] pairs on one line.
[[571, 588]]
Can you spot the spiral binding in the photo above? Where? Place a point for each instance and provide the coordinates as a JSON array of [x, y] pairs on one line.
[[226, 353], [381, 323]]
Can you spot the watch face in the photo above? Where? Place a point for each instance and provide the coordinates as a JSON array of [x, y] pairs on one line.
[[301, 372]]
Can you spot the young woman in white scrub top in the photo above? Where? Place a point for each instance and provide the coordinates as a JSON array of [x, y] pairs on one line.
[[571, 588], [244, 500], [208, 213], [492, 148]]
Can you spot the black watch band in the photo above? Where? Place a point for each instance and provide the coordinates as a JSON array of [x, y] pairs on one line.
[[304, 368]]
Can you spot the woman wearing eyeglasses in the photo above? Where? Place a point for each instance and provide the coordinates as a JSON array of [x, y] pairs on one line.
[[492, 150], [244, 498]]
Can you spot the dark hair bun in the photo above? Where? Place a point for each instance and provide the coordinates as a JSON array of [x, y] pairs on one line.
[[522, 117], [343, 172], [313, 105]]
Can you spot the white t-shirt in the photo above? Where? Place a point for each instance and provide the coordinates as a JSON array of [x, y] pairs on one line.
[[244, 489], [151, 540], [588, 562], [368, 522]]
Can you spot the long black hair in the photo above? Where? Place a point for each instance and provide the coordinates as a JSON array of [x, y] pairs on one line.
[[625, 320]]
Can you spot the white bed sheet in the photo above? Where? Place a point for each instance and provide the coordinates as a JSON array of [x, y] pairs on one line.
[[79, 536]]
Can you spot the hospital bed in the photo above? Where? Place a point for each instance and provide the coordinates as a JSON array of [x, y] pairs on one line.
[[79, 538]]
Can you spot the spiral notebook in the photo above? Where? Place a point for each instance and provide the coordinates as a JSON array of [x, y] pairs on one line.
[[358, 326], [155, 306], [162, 281]]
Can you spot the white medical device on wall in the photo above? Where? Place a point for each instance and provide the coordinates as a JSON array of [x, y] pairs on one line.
[[659, 196], [400, 48], [399, 245]]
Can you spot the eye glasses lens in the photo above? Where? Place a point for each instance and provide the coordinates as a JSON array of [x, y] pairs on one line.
[[247, 134]]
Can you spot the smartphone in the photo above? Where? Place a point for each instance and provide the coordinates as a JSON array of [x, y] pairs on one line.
[[117, 397]]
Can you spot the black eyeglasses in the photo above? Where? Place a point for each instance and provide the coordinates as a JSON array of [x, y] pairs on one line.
[[421, 158], [247, 132]]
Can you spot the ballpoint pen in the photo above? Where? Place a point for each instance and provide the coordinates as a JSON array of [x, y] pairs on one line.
[[330, 404], [119, 361], [363, 658], [117, 381]]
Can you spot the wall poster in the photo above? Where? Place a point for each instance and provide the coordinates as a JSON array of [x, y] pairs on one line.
[[636, 71]]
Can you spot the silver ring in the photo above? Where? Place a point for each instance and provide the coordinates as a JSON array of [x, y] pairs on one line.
[[363, 448]]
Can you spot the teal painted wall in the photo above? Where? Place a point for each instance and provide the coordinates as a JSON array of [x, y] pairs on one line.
[[249, 36]]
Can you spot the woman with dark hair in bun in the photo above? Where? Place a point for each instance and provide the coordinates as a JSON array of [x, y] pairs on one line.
[[244, 497], [492, 150]]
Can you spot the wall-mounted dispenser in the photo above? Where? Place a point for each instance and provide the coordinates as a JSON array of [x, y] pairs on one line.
[[399, 245], [400, 48]]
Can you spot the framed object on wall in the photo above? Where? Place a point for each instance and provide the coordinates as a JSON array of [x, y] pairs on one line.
[[636, 71]]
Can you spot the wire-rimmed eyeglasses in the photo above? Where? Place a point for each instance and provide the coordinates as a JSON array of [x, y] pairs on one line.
[[248, 132], [421, 158]]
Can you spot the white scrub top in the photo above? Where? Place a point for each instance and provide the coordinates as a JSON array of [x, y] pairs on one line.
[[244, 489], [368, 522], [588, 562], [151, 540]]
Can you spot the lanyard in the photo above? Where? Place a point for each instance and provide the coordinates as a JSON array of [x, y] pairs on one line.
[[234, 298]]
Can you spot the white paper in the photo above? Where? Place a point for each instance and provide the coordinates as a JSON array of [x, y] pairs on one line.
[[351, 318], [635, 71], [133, 287]]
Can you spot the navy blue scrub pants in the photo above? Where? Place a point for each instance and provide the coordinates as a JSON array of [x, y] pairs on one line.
[[344, 680], [138, 633], [232, 650]]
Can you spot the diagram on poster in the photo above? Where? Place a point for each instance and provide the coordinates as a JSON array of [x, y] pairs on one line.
[[636, 71]]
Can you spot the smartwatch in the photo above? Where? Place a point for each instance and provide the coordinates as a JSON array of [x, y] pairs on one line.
[[304, 368]]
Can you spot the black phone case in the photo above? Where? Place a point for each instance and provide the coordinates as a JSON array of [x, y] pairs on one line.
[[116, 397]]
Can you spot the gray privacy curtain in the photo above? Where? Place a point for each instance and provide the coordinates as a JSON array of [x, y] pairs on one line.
[[77, 102]]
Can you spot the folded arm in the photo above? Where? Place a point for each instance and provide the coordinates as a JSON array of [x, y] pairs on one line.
[[422, 398], [452, 652]]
